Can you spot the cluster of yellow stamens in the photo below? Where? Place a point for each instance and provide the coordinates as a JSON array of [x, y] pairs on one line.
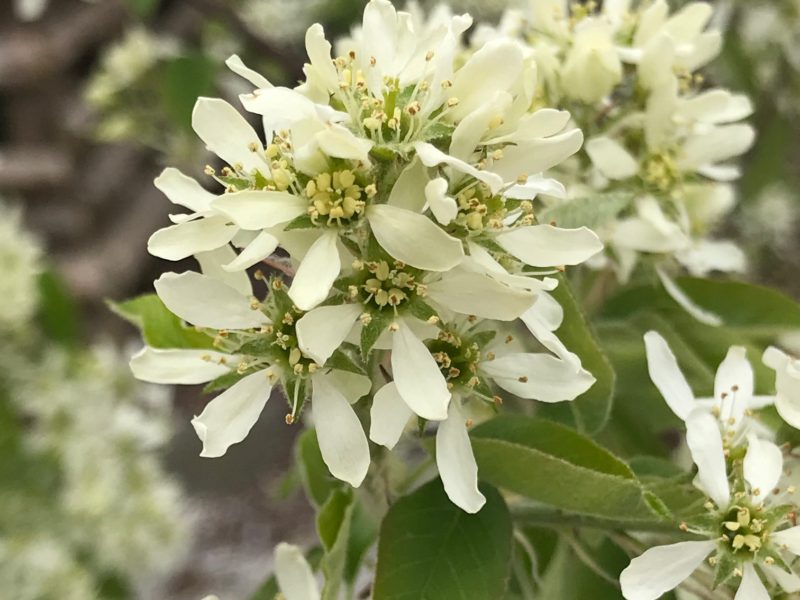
[[336, 196], [387, 286]]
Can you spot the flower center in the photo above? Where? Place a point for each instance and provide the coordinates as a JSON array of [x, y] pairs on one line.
[[458, 358], [744, 529], [379, 284]]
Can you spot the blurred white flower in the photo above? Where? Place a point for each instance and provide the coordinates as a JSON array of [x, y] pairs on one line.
[[20, 263]]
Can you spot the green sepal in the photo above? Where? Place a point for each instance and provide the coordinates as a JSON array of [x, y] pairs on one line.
[[381, 319], [160, 328], [438, 131], [421, 310], [724, 569], [301, 222], [345, 358], [223, 382], [238, 183]]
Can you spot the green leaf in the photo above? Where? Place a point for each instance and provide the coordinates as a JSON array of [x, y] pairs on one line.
[[317, 480], [743, 306], [333, 526], [589, 212], [363, 532], [160, 328], [57, 312], [223, 382], [556, 465], [592, 409], [301, 222], [429, 549], [185, 79]]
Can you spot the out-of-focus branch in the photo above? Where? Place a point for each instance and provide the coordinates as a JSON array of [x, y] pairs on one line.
[[33, 168], [28, 55]]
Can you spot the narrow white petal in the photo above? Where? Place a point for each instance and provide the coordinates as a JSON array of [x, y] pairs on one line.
[[788, 539], [705, 256], [733, 383], [535, 186], [667, 375], [611, 159], [235, 64], [183, 190], [717, 106], [179, 241], [718, 144], [751, 587], [295, 579], [456, 462], [322, 330], [179, 366], [534, 156], [705, 445], [662, 568], [538, 376], [548, 246], [260, 248], [472, 128], [417, 376], [789, 409], [319, 53], [229, 417], [317, 272], [207, 302], [342, 440], [227, 134], [480, 295], [389, 416], [212, 264], [690, 306], [431, 156], [789, 582], [414, 239], [260, 209], [443, 207], [763, 466]]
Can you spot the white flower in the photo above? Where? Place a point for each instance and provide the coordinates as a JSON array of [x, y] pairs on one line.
[[592, 67], [209, 303], [20, 262], [733, 396], [744, 525], [787, 384]]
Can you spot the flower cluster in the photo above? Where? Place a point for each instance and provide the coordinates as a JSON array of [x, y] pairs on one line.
[[399, 180], [750, 527], [20, 258], [657, 136]]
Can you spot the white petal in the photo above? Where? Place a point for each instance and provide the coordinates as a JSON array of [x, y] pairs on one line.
[[548, 246], [705, 445], [469, 132], [408, 191], [789, 582], [667, 375], [317, 272], [339, 142], [389, 416], [235, 64], [342, 440], [207, 302], [212, 263], [788, 539], [260, 248], [229, 417], [351, 385], [733, 385], [414, 239], [763, 466], [183, 190], [716, 145], [535, 156], [535, 186], [431, 156], [496, 66], [538, 376], [543, 123], [179, 366], [717, 106], [705, 256], [480, 295], [227, 134], [319, 53], [417, 376], [176, 242], [789, 409], [322, 330], [701, 314], [443, 207], [260, 209], [295, 579], [611, 159], [456, 462], [662, 568], [751, 587]]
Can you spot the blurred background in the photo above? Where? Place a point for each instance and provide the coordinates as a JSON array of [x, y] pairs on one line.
[[95, 99]]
